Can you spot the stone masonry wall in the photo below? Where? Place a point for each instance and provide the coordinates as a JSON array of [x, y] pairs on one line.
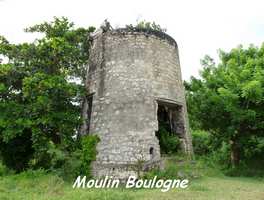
[[128, 72]]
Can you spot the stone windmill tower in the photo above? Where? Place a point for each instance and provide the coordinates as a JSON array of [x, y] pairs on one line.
[[134, 78]]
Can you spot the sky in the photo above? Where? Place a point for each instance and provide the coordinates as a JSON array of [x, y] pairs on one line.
[[199, 27]]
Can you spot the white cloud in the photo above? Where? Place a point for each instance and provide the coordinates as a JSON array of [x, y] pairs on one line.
[[199, 27]]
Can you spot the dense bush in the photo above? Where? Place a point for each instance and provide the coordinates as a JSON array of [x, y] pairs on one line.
[[169, 143], [221, 156], [69, 164], [208, 147], [201, 142], [217, 155], [17, 152]]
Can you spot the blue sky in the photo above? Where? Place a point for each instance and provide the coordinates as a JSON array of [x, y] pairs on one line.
[[199, 27]]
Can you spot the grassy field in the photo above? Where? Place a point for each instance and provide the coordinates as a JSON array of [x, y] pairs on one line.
[[41, 186], [38, 185]]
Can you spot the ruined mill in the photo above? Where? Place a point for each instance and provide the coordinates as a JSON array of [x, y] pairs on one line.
[[133, 80]]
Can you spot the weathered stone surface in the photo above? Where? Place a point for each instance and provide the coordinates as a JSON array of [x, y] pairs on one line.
[[129, 73]]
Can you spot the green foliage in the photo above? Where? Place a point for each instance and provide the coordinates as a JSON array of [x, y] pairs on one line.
[[228, 100], [51, 108], [201, 142], [65, 164], [38, 99], [169, 143], [72, 163], [17, 152], [152, 26], [66, 48], [215, 155], [4, 171], [221, 155], [89, 152], [253, 147], [207, 148]]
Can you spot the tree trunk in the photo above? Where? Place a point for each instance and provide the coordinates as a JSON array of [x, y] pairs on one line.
[[235, 152]]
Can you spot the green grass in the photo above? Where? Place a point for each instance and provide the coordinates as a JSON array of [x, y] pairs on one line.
[[207, 184]]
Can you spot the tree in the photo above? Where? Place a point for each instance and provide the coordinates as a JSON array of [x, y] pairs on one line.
[[40, 96], [228, 99]]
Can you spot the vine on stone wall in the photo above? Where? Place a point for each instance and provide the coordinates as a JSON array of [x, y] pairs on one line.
[[89, 152]]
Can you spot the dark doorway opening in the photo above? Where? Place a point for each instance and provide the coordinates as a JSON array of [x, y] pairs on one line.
[[89, 111], [171, 127], [86, 115]]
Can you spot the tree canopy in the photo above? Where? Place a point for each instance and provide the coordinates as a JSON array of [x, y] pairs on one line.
[[228, 99], [39, 92]]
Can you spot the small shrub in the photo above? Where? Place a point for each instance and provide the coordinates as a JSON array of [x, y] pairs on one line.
[[144, 25]]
